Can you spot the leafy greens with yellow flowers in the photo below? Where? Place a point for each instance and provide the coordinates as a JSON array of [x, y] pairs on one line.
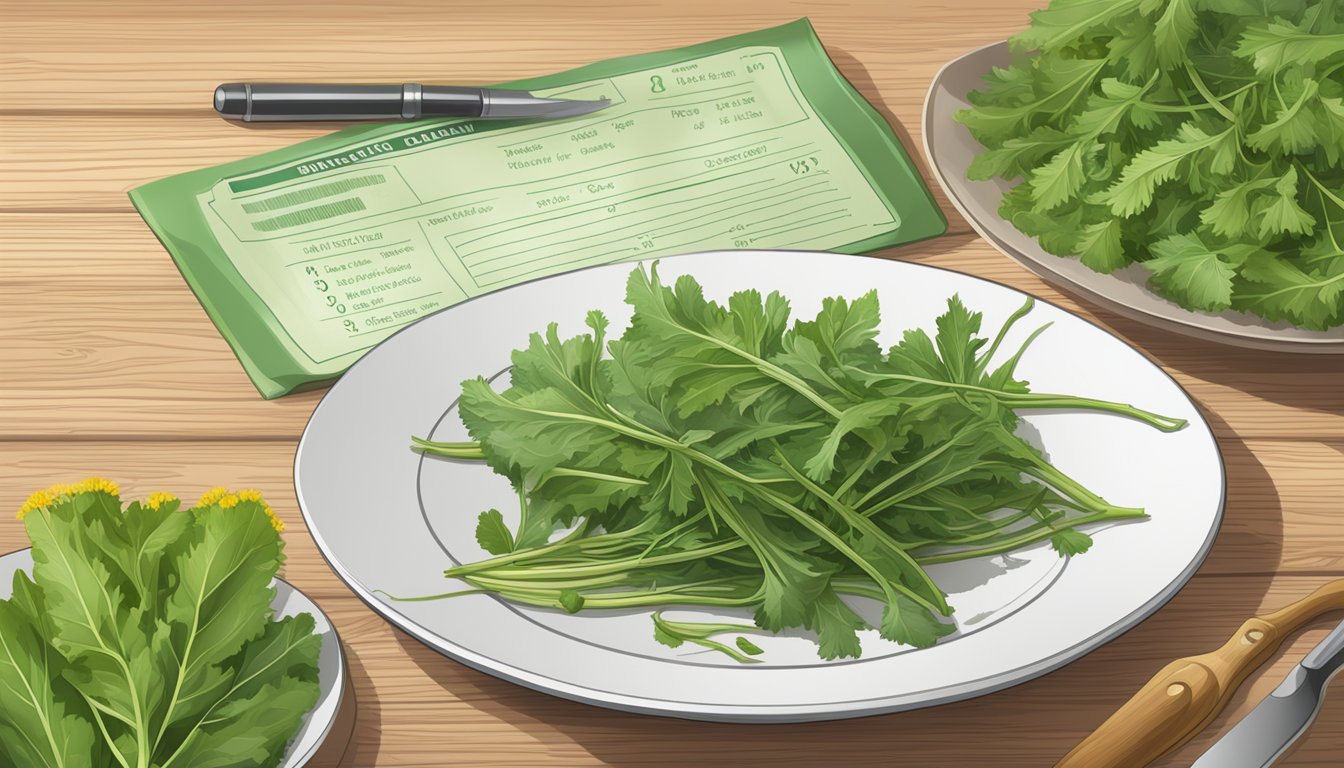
[[724, 457], [1202, 139], [145, 635]]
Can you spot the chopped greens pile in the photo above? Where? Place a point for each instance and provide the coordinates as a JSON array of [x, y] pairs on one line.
[[145, 636], [723, 457], [1201, 138]]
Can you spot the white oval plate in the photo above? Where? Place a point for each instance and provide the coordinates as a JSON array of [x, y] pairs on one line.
[[288, 602], [388, 520], [950, 149]]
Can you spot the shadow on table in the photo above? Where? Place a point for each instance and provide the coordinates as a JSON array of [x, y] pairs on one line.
[[360, 737], [1031, 724], [1261, 374], [858, 76]]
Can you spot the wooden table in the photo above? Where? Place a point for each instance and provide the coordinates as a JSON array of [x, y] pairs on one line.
[[109, 366]]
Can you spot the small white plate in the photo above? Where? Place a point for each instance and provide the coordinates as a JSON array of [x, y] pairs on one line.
[[388, 519], [950, 149], [288, 602]]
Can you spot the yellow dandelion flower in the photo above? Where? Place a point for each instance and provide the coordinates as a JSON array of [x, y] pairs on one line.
[[97, 485], [43, 498], [158, 499], [253, 495], [212, 496], [48, 496]]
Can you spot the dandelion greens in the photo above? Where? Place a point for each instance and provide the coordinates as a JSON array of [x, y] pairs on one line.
[[723, 457]]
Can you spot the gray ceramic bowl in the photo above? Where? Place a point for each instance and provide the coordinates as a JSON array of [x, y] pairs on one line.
[[950, 149]]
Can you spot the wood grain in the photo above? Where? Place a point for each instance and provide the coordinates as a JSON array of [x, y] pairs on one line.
[[183, 49], [415, 705], [132, 353], [1282, 513], [109, 366]]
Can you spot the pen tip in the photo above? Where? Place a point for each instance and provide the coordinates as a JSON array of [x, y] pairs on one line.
[[231, 99]]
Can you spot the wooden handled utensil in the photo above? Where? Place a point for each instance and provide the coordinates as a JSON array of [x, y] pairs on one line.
[[1183, 698]]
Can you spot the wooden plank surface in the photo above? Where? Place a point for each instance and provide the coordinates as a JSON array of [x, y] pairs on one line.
[[96, 368], [109, 366], [1280, 540], [183, 49], [1282, 513]]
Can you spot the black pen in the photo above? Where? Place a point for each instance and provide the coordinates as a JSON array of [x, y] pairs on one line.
[[273, 102]]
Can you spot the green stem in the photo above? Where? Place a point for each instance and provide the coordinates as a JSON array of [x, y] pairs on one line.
[[934, 599], [1045, 401], [914, 465], [570, 472], [764, 366], [468, 451], [1208, 95], [627, 565], [1021, 312], [1044, 471], [427, 598], [679, 595], [597, 541], [1008, 545], [1039, 400]]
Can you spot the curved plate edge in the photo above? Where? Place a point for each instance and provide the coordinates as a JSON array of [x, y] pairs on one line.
[[1185, 323], [750, 714]]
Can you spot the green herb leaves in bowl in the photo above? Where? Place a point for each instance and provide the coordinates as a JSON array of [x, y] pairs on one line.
[[1201, 138], [145, 636], [730, 457]]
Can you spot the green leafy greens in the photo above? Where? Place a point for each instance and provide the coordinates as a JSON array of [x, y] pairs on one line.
[[1200, 138], [145, 636], [720, 457]]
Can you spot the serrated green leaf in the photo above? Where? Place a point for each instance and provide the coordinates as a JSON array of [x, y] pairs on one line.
[[1134, 47], [1281, 291], [1065, 84], [219, 605], [492, 534], [272, 686], [957, 339], [1230, 212], [1106, 111], [912, 624], [1275, 45], [1134, 190], [832, 468], [1016, 156], [1099, 246], [1199, 106], [1174, 30], [151, 619], [43, 721], [836, 625], [1070, 542], [1063, 21], [1280, 211], [1293, 129], [1059, 179], [1184, 267]]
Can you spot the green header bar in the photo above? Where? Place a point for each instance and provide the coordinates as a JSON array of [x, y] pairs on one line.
[[370, 151]]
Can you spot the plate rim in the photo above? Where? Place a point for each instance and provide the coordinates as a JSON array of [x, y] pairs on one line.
[[1183, 321], [752, 713], [338, 684]]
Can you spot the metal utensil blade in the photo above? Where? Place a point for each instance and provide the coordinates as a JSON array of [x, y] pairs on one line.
[[498, 103], [1270, 729]]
